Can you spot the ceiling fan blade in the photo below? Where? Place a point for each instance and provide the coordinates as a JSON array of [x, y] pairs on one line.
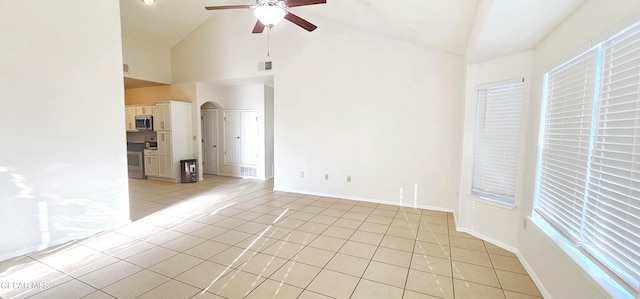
[[258, 28], [226, 7], [294, 3], [300, 22]]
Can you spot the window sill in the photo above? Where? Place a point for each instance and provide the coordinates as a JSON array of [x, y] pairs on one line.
[[599, 276], [493, 202]]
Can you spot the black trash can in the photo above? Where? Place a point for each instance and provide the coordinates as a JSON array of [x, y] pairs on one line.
[[188, 171]]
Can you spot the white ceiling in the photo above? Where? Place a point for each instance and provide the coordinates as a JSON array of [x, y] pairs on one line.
[[508, 26], [513, 26], [439, 24], [164, 23]]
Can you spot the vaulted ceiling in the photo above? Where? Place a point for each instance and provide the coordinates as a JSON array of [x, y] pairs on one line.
[[480, 29]]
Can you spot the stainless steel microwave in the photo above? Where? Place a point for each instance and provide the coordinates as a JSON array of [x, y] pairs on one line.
[[144, 122]]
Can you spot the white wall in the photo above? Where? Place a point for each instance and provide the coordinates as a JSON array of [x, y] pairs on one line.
[[146, 62], [386, 112], [557, 275], [493, 222], [268, 131], [221, 48], [63, 170]]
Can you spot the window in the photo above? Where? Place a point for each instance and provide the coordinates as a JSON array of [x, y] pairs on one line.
[[497, 140], [588, 184]]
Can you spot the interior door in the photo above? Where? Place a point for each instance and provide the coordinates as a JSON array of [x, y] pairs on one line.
[[249, 132], [210, 141], [232, 138], [241, 137]]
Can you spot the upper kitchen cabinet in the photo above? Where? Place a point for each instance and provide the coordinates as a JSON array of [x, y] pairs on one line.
[[162, 119], [145, 110], [130, 119]]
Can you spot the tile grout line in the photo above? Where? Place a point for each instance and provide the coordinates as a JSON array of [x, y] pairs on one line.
[[229, 266], [304, 246], [453, 282], [413, 250], [336, 253], [374, 253]]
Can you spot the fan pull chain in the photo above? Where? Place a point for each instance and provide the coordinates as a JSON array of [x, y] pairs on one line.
[[269, 42]]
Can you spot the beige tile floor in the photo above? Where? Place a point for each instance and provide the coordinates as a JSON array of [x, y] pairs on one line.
[[234, 238]]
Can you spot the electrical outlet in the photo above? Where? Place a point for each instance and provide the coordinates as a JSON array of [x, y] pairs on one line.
[[326, 176], [302, 174], [348, 179], [524, 223]]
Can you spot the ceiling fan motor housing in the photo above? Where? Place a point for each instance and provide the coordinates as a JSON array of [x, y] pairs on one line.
[[277, 3]]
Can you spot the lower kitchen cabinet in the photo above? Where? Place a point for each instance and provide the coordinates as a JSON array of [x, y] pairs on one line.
[[165, 167], [159, 163], [165, 155], [151, 162]]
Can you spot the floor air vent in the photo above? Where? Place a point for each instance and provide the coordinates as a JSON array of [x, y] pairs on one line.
[[248, 171]]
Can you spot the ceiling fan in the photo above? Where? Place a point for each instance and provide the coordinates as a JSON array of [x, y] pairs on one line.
[[271, 12]]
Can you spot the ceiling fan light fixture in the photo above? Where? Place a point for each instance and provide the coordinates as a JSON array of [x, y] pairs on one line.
[[269, 15], [149, 2]]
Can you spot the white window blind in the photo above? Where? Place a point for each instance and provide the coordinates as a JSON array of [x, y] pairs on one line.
[[612, 218], [589, 175], [497, 140], [567, 122]]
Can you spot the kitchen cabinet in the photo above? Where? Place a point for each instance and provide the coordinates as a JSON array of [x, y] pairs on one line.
[[130, 118], [162, 119], [173, 126], [145, 110], [151, 162], [165, 155]]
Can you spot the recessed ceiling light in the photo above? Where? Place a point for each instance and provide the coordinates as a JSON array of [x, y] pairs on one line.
[[148, 2]]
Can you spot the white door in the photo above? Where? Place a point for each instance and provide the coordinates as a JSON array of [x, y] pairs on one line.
[[209, 124], [241, 137], [249, 132], [232, 148]]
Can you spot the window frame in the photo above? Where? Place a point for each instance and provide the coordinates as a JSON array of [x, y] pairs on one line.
[[579, 246], [518, 83]]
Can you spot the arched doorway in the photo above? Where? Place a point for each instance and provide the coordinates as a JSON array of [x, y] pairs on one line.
[[209, 142]]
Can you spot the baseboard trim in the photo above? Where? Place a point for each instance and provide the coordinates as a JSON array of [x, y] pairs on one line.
[[243, 177], [511, 249], [365, 199]]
